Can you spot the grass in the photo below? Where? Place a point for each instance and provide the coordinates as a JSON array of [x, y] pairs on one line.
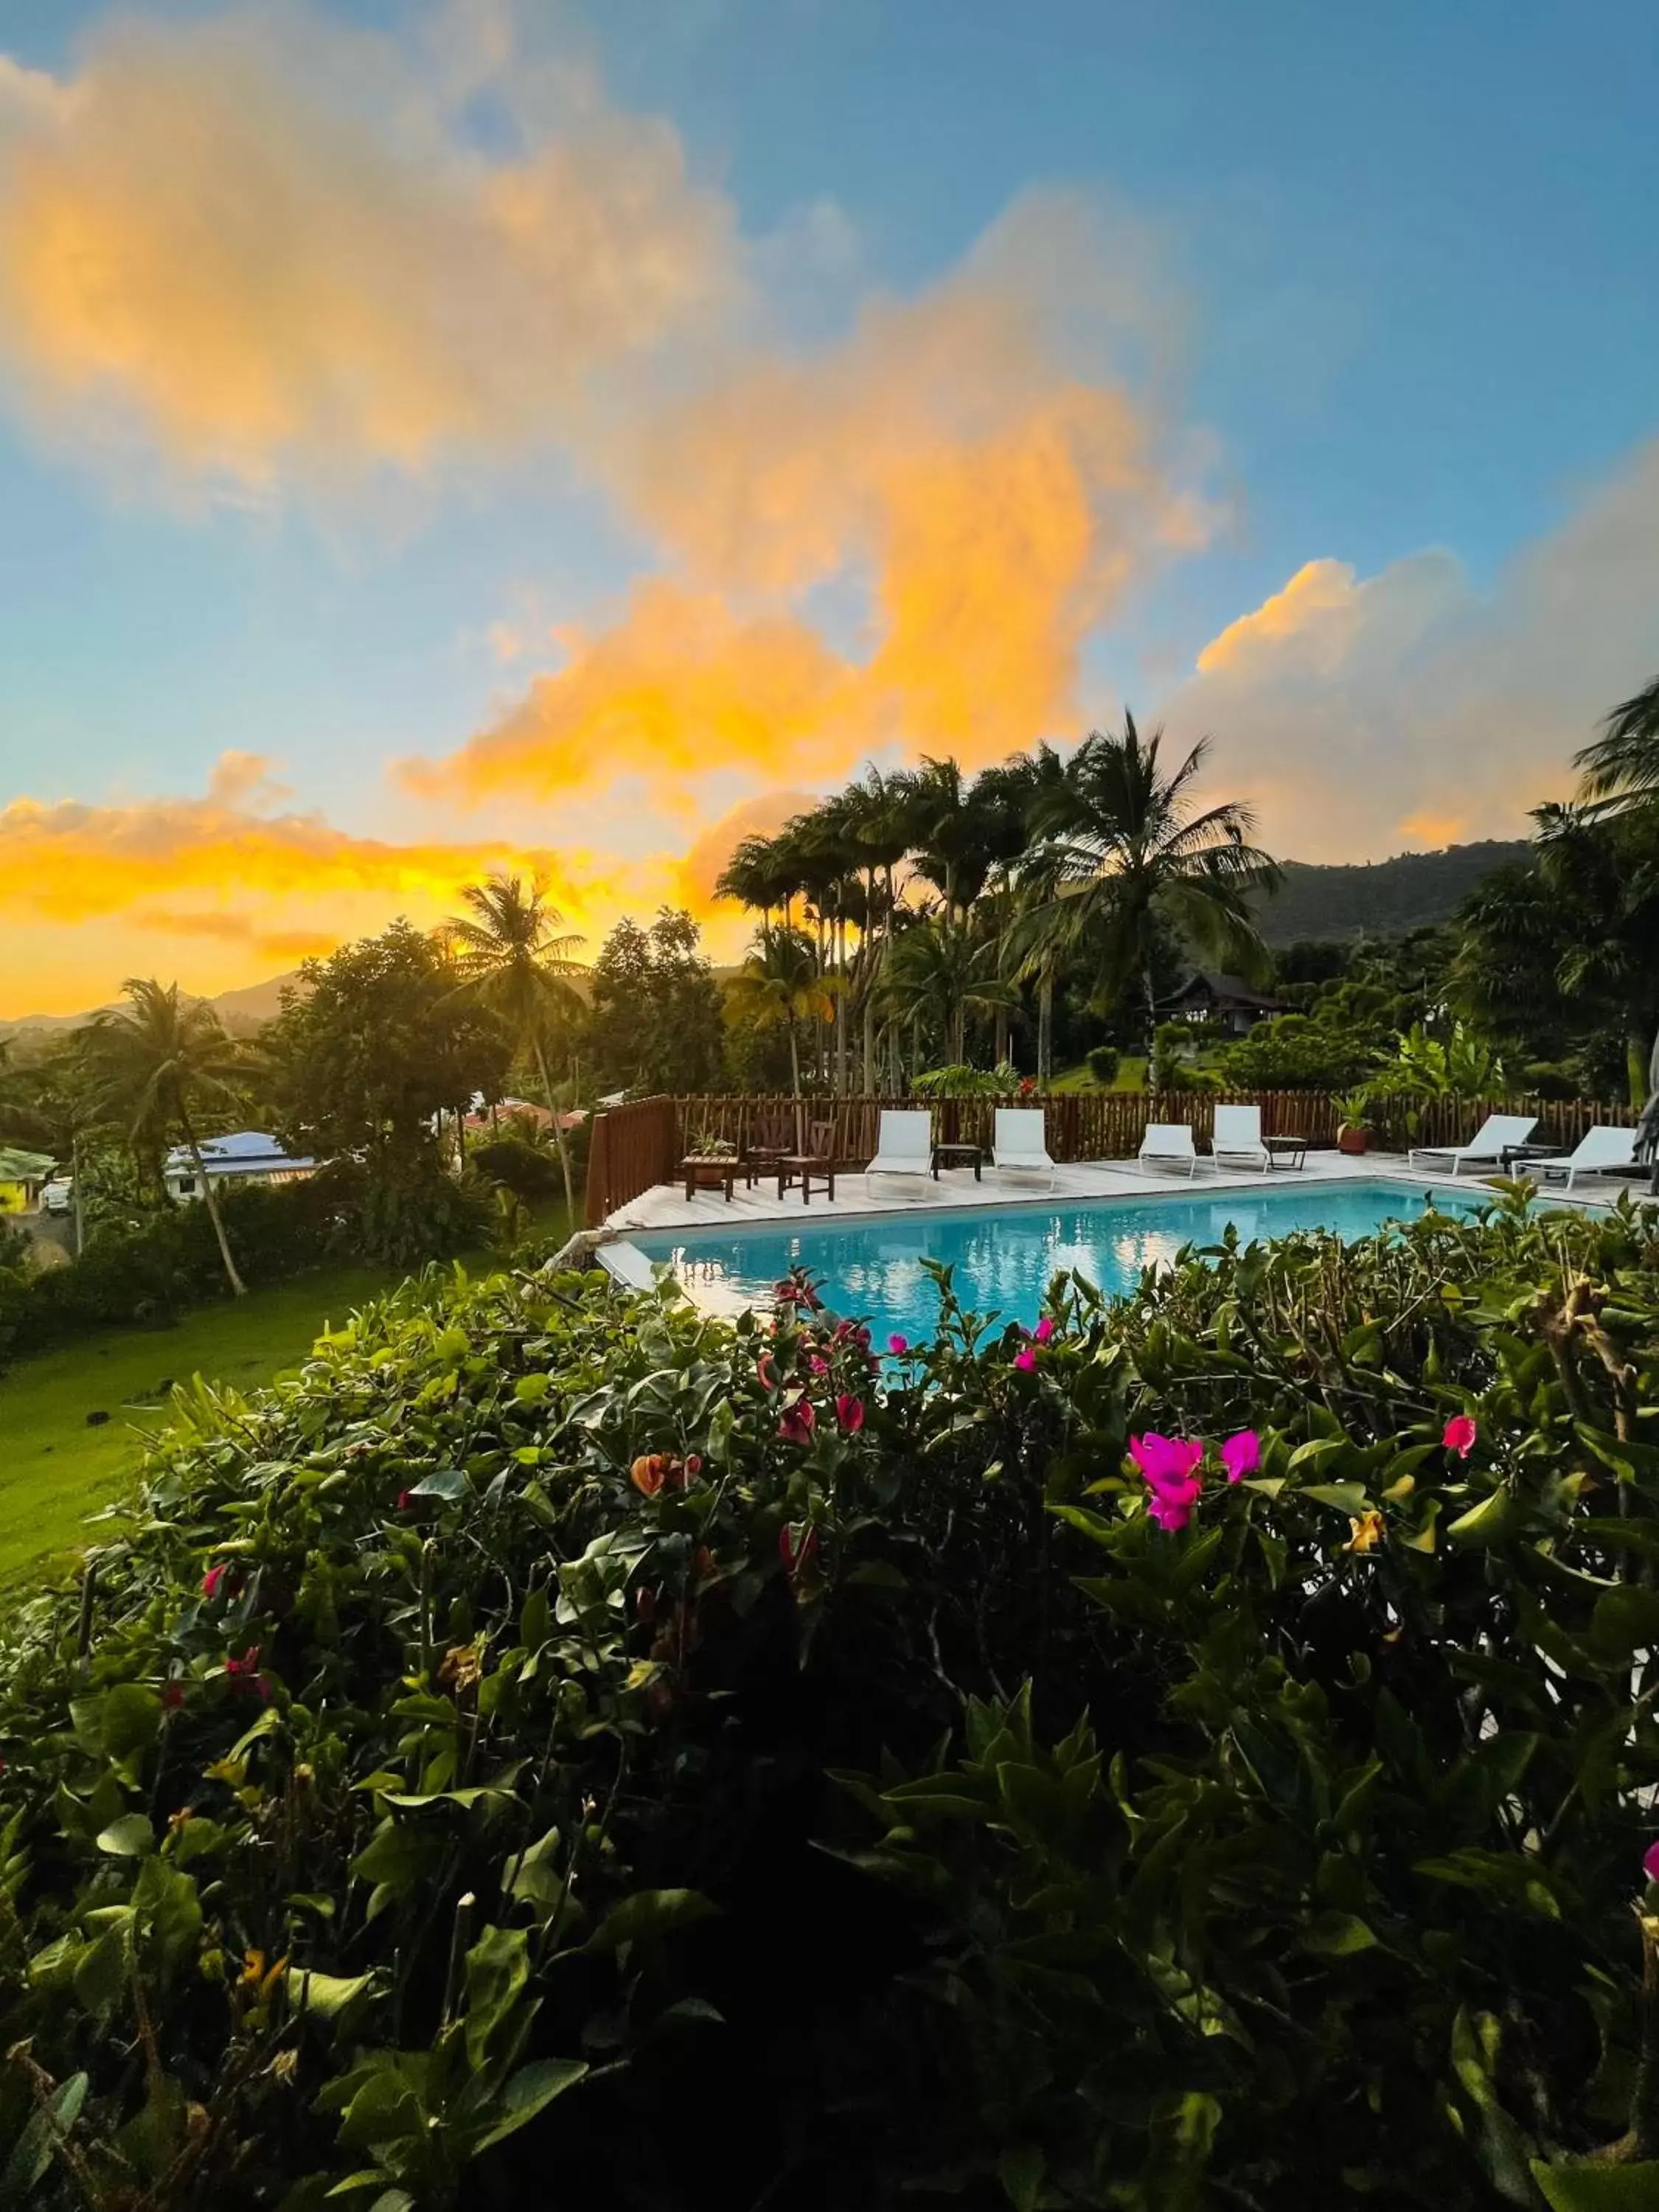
[[56, 1466], [1131, 1076]]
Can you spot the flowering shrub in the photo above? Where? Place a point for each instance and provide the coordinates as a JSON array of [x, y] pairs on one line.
[[1197, 1750]]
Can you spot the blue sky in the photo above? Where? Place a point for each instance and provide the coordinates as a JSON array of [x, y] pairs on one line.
[[1397, 306]]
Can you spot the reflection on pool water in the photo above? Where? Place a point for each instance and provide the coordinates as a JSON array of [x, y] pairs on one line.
[[1005, 1257]]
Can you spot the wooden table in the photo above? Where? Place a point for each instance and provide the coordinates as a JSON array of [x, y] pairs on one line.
[[801, 1167], [709, 1172], [1293, 1149], [966, 1155]]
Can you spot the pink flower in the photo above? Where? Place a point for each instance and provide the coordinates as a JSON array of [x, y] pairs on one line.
[[898, 1344], [1044, 1331], [768, 1381], [213, 1577], [173, 1696], [245, 1677], [849, 1413], [1459, 1434], [693, 1466], [796, 1426], [816, 1365], [1025, 1359], [1650, 1863], [1169, 1465], [1241, 1455], [405, 1499]]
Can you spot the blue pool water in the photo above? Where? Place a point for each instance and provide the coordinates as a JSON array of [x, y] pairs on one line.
[[1006, 1256]]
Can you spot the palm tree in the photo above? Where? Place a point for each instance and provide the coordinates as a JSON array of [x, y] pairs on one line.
[[935, 968], [1124, 836], [779, 982], [512, 961], [153, 1063], [1622, 767]]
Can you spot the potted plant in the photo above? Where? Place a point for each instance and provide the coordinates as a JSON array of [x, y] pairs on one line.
[[1355, 1113]]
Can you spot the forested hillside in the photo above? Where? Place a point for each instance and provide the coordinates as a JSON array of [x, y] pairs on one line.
[[1382, 897]]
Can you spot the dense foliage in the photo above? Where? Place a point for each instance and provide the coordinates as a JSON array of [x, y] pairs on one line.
[[655, 1020], [560, 1733]]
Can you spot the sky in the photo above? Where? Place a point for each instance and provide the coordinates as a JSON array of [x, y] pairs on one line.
[[443, 436]]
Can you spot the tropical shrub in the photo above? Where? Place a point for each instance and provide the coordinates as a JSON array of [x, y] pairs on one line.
[[1299, 1052], [563, 1733], [1103, 1061]]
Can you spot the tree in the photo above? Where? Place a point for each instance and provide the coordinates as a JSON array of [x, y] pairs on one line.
[[1621, 767], [155, 1064], [655, 1022], [1124, 836], [779, 984], [371, 1047], [511, 959], [936, 969]]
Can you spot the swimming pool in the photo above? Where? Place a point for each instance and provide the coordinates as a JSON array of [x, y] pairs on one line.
[[1006, 1256]]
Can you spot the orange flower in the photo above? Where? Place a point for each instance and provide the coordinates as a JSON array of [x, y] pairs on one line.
[[648, 1473], [1368, 1532]]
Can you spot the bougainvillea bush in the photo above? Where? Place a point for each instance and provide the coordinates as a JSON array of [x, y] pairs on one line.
[[1193, 1751]]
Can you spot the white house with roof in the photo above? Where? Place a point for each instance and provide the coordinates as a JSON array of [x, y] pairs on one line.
[[246, 1156]]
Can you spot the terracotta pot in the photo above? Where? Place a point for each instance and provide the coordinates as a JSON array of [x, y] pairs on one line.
[[1352, 1140]]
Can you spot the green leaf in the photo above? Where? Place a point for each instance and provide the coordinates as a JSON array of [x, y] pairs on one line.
[[448, 1483], [536, 1621], [531, 1389], [324, 1997], [1485, 1523], [32, 2153], [1337, 1935], [1347, 1497], [497, 1968], [529, 2090], [649, 1913], [1020, 2171], [1598, 2188], [129, 1838]]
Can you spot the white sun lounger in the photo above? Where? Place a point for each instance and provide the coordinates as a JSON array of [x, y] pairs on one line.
[[1598, 1149], [1484, 1148], [904, 1145], [1171, 1142], [1021, 1142], [1238, 1137]]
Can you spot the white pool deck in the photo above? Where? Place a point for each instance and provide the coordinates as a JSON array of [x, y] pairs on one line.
[[665, 1206]]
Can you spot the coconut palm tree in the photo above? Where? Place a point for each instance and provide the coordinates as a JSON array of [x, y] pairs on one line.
[[1621, 768], [1123, 835], [779, 982], [153, 1064], [936, 968], [512, 959]]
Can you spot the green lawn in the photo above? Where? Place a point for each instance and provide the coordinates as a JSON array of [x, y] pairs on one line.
[[56, 1467], [1131, 1076]]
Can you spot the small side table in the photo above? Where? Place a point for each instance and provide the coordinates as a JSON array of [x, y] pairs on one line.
[[802, 1167], [1286, 1151], [709, 1172], [965, 1156], [1513, 1157]]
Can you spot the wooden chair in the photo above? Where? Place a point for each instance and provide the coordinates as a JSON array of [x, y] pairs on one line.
[[818, 1158]]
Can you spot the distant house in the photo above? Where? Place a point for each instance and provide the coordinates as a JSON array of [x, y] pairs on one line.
[[21, 1175], [1227, 1000], [248, 1156], [481, 1117]]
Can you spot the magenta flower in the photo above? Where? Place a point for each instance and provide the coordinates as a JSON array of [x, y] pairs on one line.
[[1459, 1434], [213, 1577], [405, 1499], [898, 1344], [1044, 1331], [796, 1426], [849, 1413], [1650, 1863], [1241, 1455], [1025, 1359], [767, 1379], [816, 1365], [1168, 1467]]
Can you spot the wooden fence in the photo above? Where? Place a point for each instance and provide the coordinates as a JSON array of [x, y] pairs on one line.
[[636, 1146]]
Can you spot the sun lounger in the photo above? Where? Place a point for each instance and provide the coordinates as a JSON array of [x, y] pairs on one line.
[[1171, 1142], [1602, 1149], [1485, 1149], [904, 1145], [1021, 1145], [1238, 1137]]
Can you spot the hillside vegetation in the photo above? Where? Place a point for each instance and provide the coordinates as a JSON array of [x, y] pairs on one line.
[[1382, 898]]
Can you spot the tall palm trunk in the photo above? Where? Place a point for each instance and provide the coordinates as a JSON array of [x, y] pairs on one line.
[[558, 1130], [794, 1058], [1045, 1027], [239, 1288]]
